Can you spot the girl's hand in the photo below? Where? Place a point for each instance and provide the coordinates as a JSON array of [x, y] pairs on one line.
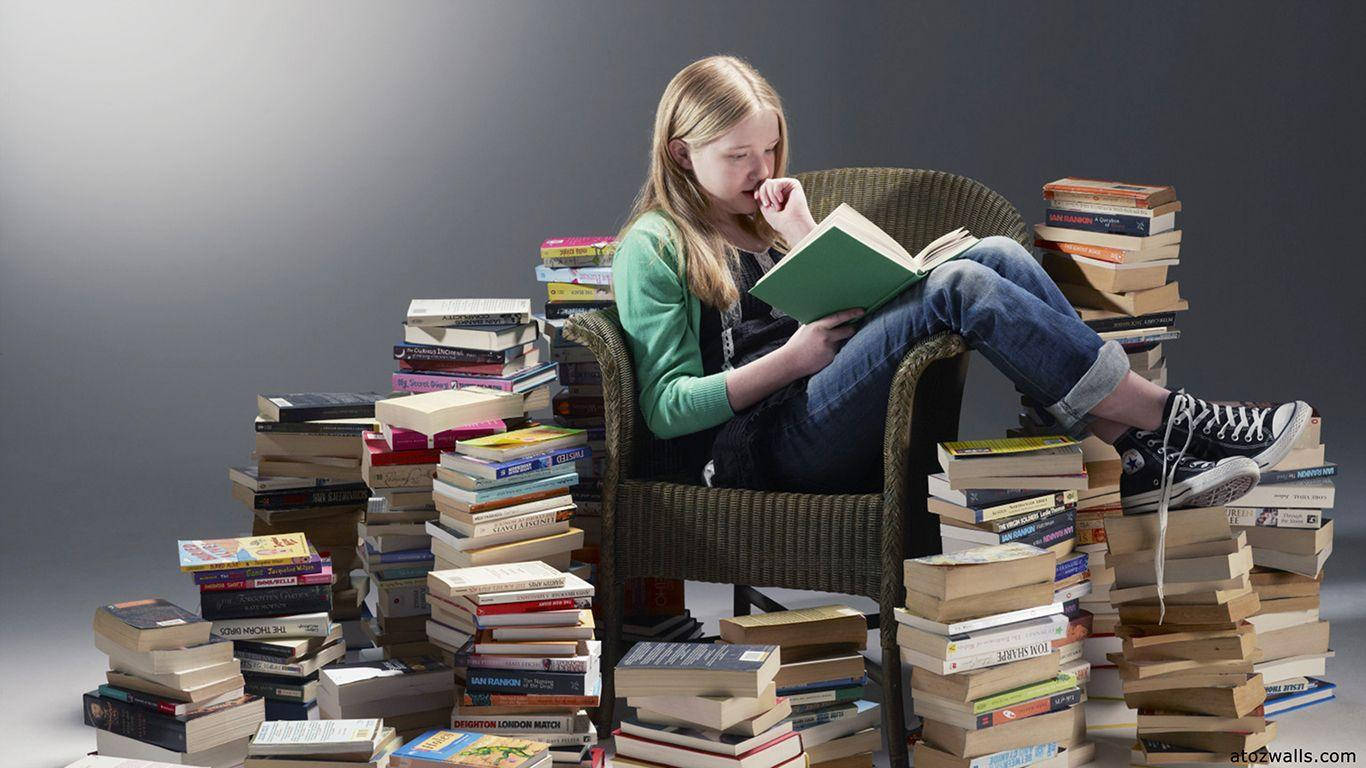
[[814, 345], [783, 204]]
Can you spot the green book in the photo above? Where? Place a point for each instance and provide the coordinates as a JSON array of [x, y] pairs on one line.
[[848, 261]]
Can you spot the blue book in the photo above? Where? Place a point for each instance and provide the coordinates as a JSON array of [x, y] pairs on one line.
[[1274, 476], [1318, 692], [499, 470], [1071, 566], [1113, 223], [466, 750], [823, 685], [402, 556], [553, 482]]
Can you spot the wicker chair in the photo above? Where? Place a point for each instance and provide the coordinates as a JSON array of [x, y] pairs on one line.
[[852, 544]]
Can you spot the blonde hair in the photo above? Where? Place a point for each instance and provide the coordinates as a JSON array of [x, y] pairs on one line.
[[703, 101]]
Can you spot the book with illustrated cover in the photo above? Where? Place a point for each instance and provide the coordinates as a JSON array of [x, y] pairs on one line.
[[1110, 192], [522, 442], [578, 251], [224, 554], [1003, 446], [873, 268], [468, 750]]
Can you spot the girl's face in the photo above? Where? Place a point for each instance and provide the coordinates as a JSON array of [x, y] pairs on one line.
[[730, 167]]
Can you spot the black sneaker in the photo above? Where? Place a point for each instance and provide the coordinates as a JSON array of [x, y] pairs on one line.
[[1195, 483], [1264, 433]]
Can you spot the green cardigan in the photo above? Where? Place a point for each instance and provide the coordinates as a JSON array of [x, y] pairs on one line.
[[661, 320]]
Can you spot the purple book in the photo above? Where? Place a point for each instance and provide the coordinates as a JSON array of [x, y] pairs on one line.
[[314, 565]]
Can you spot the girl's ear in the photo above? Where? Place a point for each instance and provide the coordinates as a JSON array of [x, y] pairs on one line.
[[678, 150]]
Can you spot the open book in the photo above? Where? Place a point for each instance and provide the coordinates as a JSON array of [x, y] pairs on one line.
[[848, 261]]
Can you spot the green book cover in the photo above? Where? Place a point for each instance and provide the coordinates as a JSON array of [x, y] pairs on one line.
[[847, 262]]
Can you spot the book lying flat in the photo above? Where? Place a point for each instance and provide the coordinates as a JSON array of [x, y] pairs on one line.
[[873, 268]]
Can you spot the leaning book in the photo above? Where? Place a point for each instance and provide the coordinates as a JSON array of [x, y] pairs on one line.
[[869, 265]]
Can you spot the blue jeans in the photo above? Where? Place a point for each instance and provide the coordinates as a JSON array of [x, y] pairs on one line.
[[1007, 308]]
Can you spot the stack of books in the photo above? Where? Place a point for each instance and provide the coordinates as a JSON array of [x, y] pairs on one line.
[[577, 272], [1285, 519], [522, 638], [984, 631], [505, 498], [400, 467], [696, 704], [295, 487], [174, 693], [1187, 661], [821, 680], [1109, 245], [411, 695], [324, 744], [270, 596], [457, 749], [454, 343]]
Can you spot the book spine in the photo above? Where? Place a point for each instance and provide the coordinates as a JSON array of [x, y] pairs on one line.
[[277, 601], [567, 664], [580, 373], [1070, 567], [1040, 706], [999, 656], [309, 428], [322, 497], [266, 627], [1010, 509], [1159, 320], [517, 724], [1273, 476], [394, 458], [812, 699], [492, 318], [401, 556], [419, 383], [556, 604], [998, 642], [525, 681], [401, 476], [144, 700], [1087, 206], [562, 310], [257, 572], [306, 579], [522, 522], [554, 482], [1273, 689], [432, 353], [572, 407], [407, 597], [483, 699], [1274, 517], [298, 413], [573, 292], [1038, 530], [408, 440], [572, 276], [820, 717], [1016, 758], [1034, 523], [135, 722]]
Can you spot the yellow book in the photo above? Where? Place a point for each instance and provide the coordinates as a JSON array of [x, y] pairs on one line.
[[1001, 446], [243, 552], [521, 442], [579, 292]]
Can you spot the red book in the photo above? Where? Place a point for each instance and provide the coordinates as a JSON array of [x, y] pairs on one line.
[[400, 439], [381, 455], [321, 577], [532, 606]]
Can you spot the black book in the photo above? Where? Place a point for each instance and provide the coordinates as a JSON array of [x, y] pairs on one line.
[[430, 353], [272, 601], [529, 681], [294, 407], [282, 688], [147, 725], [348, 495], [313, 428], [1155, 320], [1273, 476], [290, 710], [559, 310]]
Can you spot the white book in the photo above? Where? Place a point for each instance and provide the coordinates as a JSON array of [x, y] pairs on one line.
[[227, 755], [432, 412], [462, 543], [1310, 665], [266, 627], [438, 312], [989, 659], [503, 577], [164, 661], [320, 737], [969, 625], [573, 587], [1270, 622]]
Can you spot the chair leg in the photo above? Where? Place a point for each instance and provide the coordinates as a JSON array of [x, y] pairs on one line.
[[893, 711], [740, 605], [613, 605]]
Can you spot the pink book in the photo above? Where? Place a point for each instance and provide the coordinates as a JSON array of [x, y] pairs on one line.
[[400, 439], [321, 577]]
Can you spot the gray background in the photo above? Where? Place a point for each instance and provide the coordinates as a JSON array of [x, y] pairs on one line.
[[201, 201]]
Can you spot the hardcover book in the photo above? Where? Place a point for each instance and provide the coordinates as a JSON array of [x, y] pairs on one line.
[[872, 267]]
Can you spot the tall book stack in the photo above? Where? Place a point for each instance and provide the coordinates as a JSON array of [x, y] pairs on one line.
[[1109, 245], [454, 343], [1187, 658], [522, 638], [505, 498], [298, 485], [270, 596], [577, 273], [1285, 519], [696, 704], [983, 634], [401, 464], [365, 743], [821, 680], [411, 695], [174, 693]]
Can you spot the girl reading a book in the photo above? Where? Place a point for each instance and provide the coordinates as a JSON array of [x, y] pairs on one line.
[[758, 400]]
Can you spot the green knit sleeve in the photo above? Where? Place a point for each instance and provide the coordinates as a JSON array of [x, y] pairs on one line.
[[658, 317]]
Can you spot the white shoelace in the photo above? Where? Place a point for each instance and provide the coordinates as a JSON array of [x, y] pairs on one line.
[[1247, 423], [1182, 406]]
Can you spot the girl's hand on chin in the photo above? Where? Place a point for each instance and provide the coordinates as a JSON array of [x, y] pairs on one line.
[[783, 204]]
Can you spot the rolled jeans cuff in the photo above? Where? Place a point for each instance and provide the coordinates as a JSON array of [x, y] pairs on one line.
[[1101, 379]]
